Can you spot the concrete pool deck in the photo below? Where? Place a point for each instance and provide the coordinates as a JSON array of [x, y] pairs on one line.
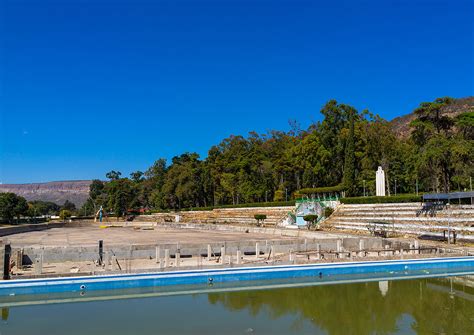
[[125, 234]]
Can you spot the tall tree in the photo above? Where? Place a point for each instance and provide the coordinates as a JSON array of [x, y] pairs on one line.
[[113, 175], [349, 159]]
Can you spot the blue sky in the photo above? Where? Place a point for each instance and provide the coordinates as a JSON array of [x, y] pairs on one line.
[[91, 86]]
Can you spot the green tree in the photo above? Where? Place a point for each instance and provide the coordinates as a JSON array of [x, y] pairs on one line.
[[120, 196], [68, 205], [443, 151], [113, 175], [11, 206], [465, 123], [260, 219], [152, 187], [38, 207], [136, 176], [349, 159], [311, 220], [65, 214]]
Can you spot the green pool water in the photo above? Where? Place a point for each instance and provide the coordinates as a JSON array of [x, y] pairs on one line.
[[422, 306]]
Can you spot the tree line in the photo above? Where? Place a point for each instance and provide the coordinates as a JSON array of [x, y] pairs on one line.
[[342, 151], [339, 153], [13, 207]]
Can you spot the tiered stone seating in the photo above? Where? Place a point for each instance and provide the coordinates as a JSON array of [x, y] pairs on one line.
[[239, 216], [410, 218]]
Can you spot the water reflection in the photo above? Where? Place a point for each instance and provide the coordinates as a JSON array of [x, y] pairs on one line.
[[423, 306], [5, 313]]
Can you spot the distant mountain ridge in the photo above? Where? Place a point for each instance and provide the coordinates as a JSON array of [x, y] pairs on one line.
[[76, 191]]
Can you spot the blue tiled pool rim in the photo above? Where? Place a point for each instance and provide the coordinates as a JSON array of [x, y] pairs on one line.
[[227, 275]]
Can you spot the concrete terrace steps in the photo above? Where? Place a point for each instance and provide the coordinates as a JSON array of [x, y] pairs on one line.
[[405, 218], [223, 215], [395, 218], [409, 225], [387, 216], [395, 205]]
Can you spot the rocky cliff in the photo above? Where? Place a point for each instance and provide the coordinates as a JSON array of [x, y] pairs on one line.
[[76, 191]]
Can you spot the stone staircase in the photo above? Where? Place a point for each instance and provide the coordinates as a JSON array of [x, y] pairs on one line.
[[234, 216], [406, 218]]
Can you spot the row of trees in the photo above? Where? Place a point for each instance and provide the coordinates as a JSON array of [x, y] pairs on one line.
[[344, 149], [13, 206]]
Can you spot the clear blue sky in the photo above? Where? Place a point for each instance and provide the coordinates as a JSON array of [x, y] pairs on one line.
[[91, 86]]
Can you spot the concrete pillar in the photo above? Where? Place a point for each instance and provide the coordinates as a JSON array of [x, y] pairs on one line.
[[39, 264], [257, 250], [114, 262], [106, 261], [305, 245], [157, 254], [318, 251], [239, 256], [272, 252], [386, 248], [222, 254], [417, 246], [2, 258], [19, 259], [101, 252], [129, 263], [339, 248], [209, 252], [6, 251], [361, 247], [167, 258], [177, 257], [292, 256], [401, 252]]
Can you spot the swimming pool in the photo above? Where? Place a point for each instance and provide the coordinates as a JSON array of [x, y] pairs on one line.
[[316, 272], [378, 306]]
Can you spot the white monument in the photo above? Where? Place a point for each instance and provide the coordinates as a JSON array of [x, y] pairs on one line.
[[380, 182]]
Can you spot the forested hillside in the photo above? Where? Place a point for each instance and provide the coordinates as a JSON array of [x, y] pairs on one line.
[[343, 151]]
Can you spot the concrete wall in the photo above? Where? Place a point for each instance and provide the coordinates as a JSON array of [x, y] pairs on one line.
[[63, 254], [23, 228]]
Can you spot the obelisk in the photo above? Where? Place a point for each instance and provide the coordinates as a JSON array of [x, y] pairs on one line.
[[380, 182]]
